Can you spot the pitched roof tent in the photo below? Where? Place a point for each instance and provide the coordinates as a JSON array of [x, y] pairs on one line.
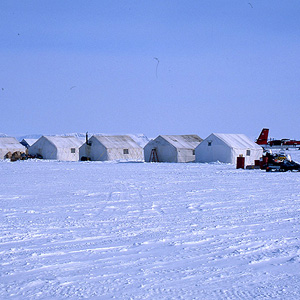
[[112, 147], [65, 148], [226, 148], [172, 148], [10, 144]]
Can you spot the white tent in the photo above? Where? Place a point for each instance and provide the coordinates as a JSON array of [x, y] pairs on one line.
[[114, 147], [227, 147], [10, 144], [172, 148], [28, 142], [64, 148]]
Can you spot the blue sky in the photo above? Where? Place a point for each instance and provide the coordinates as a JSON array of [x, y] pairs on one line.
[[224, 66]]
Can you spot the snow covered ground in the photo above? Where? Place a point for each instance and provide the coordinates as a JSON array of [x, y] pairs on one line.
[[148, 231]]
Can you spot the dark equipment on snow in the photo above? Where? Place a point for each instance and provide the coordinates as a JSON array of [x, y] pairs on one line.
[[279, 163]]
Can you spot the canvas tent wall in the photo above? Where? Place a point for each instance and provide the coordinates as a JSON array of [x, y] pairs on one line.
[[227, 147], [172, 148], [28, 142], [115, 147], [10, 144], [65, 148]]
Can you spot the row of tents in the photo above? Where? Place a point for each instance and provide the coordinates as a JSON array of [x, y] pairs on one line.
[[165, 148]]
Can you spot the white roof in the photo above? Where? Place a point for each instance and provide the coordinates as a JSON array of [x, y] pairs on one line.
[[29, 141], [64, 141], [140, 139], [116, 141], [237, 141], [190, 141], [10, 142]]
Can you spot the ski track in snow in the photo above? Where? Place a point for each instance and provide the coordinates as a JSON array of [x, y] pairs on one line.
[[147, 231]]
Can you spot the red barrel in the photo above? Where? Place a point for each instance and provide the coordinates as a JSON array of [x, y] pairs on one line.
[[257, 162], [264, 162], [240, 162]]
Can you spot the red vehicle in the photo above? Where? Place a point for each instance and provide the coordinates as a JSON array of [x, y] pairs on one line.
[[272, 143]]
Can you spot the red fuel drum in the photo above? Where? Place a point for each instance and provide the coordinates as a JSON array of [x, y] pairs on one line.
[[264, 162]]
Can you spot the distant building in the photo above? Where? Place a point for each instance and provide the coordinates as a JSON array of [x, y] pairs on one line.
[[65, 148], [10, 144], [227, 147], [115, 147], [172, 148], [28, 142]]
